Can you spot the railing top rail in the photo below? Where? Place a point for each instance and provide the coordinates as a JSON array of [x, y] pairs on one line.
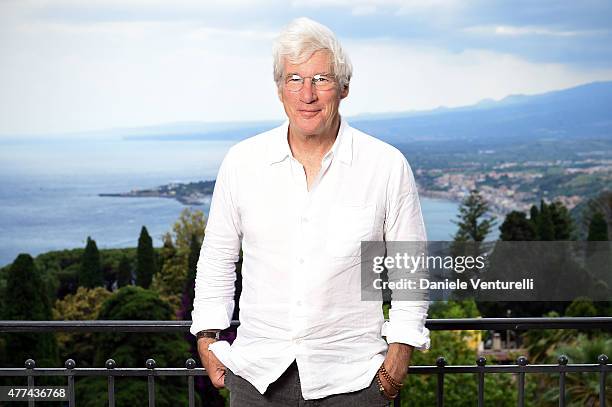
[[414, 370], [432, 324]]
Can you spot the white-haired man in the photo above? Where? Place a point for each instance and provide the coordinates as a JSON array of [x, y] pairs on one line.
[[299, 199]]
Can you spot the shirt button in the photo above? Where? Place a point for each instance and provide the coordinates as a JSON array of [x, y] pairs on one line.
[[301, 260]]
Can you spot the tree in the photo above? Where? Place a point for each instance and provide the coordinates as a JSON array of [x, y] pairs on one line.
[[563, 225], [601, 204], [84, 305], [457, 348], [581, 307], [167, 250], [90, 274], [471, 225], [124, 275], [581, 389], [169, 282], [534, 214], [145, 264], [130, 349], [546, 227], [189, 289], [179, 257], [26, 298], [472, 231], [517, 227], [598, 228], [190, 223]]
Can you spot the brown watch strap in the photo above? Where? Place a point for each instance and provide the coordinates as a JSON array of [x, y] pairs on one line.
[[207, 333]]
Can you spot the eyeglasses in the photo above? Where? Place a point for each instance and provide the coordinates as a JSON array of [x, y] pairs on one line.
[[295, 83]]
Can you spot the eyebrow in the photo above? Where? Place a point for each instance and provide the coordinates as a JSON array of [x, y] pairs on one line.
[[318, 73]]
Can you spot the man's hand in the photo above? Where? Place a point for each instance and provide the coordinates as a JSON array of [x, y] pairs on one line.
[[216, 369], [396, 363]]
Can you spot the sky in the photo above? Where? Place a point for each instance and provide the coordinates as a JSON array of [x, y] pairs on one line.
[[70, 66]]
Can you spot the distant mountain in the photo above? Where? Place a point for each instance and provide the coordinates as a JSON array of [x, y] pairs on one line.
[[582, 111], [197, 131]]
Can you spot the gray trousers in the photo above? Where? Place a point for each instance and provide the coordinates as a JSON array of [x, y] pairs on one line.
[[286, 392]]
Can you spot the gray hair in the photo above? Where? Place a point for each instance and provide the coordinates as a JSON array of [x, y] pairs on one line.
[[302, 38]]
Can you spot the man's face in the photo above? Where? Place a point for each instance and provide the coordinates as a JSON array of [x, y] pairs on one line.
[[311, 111]]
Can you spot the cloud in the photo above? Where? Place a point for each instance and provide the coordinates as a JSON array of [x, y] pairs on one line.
[[364, 9], [69, 65], [112, 74], [512, 31], [370, 7], [406, 4], [403, 78]]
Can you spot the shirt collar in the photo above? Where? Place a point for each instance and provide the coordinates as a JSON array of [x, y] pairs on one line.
[[342, 148]]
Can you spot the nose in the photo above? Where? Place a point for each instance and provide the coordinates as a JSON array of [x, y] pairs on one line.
[[308, 94]]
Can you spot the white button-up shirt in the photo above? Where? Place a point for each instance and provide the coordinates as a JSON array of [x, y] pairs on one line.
[[301, 289]]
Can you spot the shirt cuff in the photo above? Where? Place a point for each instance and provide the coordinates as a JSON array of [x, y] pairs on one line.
[[412, 334], [211, 316]]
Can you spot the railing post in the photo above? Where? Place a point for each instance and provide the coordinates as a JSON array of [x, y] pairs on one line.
[[69, 365], [150, 364], [562, 363], [190, 364], [521, 361], [481, 362], [440, 362], [603, 360], [111, 364], [30, 364]]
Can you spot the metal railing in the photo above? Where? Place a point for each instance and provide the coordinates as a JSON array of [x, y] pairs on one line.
[[151, 371]]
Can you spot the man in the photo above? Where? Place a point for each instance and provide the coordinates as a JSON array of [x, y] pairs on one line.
[[299, 199]]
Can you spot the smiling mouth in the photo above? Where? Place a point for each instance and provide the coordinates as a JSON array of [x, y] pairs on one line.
[[309, 113]]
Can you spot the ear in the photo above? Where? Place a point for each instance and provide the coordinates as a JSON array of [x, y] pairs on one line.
[[344, 92]]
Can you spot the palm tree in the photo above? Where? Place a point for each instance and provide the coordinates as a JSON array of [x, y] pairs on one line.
[[582, 389]]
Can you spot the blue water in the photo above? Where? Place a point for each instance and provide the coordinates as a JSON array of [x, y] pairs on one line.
[[49, 192]]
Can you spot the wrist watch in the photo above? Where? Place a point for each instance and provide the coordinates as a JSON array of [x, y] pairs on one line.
[[208, 333]]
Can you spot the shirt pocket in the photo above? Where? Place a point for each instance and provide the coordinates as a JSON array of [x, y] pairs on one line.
[[347, 227]]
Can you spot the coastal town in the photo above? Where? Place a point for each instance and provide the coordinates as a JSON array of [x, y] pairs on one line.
[[507, 186], [192, 193], [516, 186]]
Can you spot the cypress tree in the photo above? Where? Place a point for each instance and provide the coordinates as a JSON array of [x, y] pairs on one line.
[[597, 260], [598, 228], [516, 227], [534, 213], [546, 227], [124, 276], [145, 256], [563, 224], [91, 275], [26, 298], [534, 219]]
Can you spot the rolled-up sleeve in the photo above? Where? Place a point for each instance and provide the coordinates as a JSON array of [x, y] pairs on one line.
[[213, 304], [404, 222]]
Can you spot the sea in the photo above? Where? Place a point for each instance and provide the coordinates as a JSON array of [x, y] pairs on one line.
[[49, 191]]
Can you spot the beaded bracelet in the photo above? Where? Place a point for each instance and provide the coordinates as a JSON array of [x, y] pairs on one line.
[[381, 389], [396, 385]]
